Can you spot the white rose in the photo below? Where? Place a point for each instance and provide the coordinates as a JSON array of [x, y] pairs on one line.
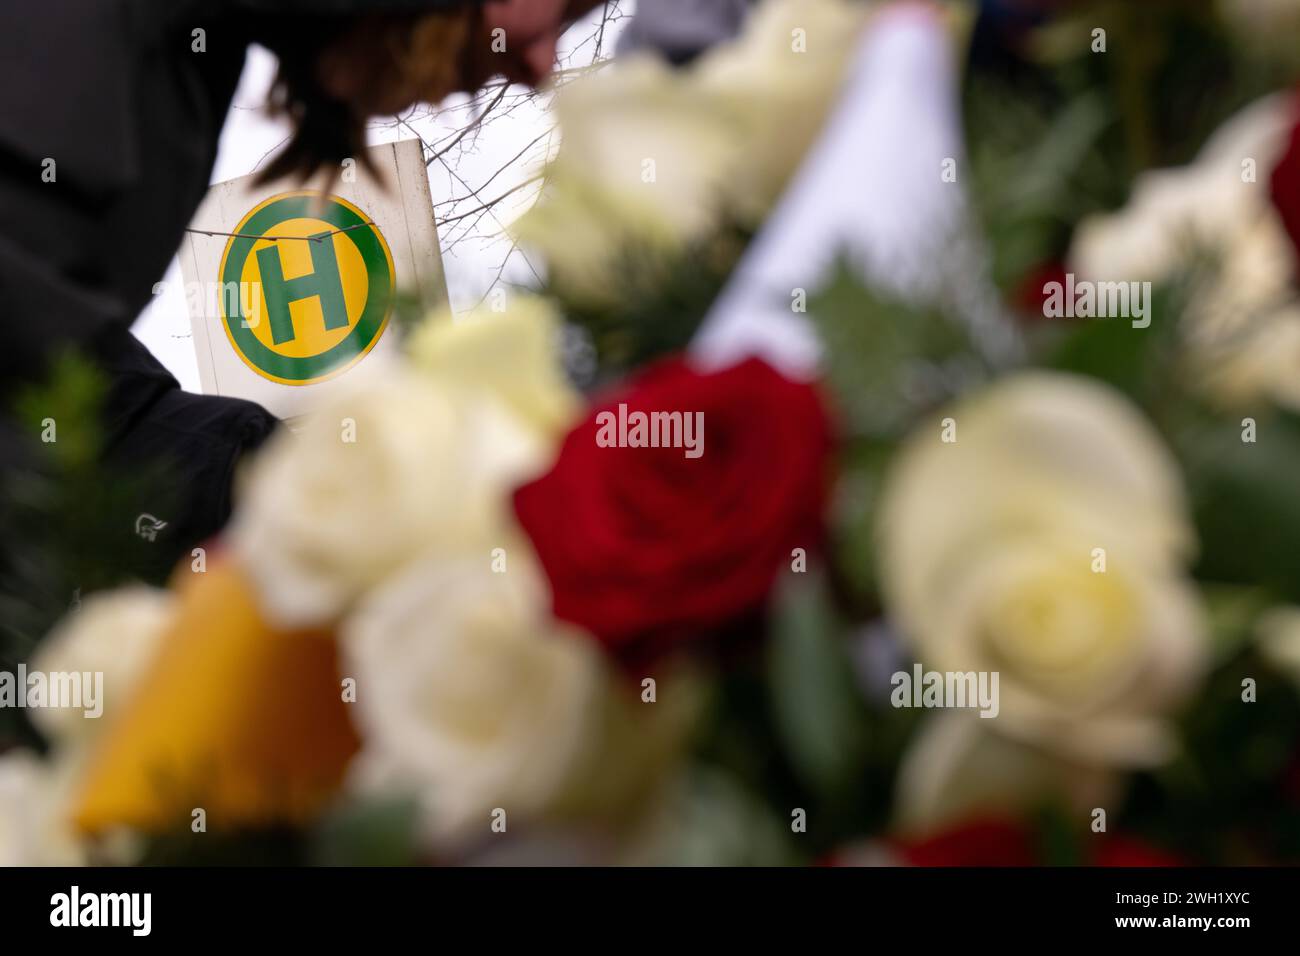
[[1243, 320], [1270, 27], [395, 466], [1277, 633], [642, 164], [654, 158], [471, 697], [114, 633], [512, 355], [957, 768], [988, 549], [779, 82], [34, 826]]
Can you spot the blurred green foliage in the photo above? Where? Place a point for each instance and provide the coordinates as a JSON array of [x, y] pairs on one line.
[[62, 531]]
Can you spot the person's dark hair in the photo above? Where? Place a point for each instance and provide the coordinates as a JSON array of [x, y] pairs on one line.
[[332, 80]]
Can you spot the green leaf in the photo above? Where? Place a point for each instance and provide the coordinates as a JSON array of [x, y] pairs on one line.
[[664, 298], [369, 833], [710, 818], [69, 400], [1140, 362], [887, 361], [862, 471], [1233, 611], [1245, 504], [820, 717], [1035, 171]]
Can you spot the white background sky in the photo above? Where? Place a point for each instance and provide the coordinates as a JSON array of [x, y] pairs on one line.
[[503, 152]]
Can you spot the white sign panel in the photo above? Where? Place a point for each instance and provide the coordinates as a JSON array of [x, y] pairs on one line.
[[289, 288]]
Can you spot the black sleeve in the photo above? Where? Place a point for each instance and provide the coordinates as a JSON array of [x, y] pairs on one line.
[[180, 450], [45, 313], [65, 87]]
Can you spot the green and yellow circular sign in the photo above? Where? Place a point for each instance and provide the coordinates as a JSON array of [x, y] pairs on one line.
[[315, 285]]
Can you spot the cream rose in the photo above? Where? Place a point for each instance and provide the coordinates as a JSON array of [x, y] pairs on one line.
[[397, 465], [1243, 319], [114, 633], [1277, 634], [779, 83], [642, 165], [472, 698], [957, 768], [1048, 543], [34, 798], [655, 158], [510, 356], [1269, 27]]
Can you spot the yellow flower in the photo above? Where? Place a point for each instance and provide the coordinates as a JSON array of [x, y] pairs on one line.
[[509, 356], [473, 699], [233, 716], [1048, 543]]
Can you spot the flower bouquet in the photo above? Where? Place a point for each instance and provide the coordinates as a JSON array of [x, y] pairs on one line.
[[857, 488]]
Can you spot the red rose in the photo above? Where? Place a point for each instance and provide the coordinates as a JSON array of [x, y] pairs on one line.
[[985, 841], [1030, 295], [646, 547], [995, 841], [1121, 850], [1285, 187], [1290, 781]]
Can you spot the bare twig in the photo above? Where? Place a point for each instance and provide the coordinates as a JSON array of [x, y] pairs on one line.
[[491, 202], [321, 237]]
